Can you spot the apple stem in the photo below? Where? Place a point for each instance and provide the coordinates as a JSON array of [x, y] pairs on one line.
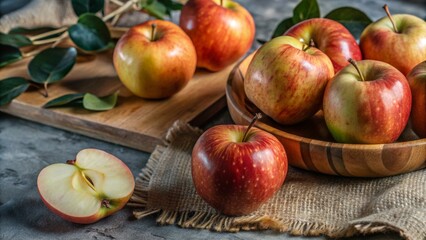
[[390, 18], [357, 69], [221, 3], [256, 117], [71, 162], [106, 203], [153, 31]]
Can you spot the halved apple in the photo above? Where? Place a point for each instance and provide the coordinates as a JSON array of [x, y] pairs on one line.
[[93, 186]]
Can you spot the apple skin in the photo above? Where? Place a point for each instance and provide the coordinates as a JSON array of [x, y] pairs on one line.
[[155, 69], [417, 80], [372, 111], [221, 34], [329, 36], [67, 203], [285, 82], [236, 177], [402, 50]]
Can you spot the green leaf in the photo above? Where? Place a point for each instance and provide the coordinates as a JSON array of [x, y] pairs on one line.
[[12, 87], [9, 54], [306, 9], [90, 33], [22, 30], [94, 103], [282, 27], [15, 40], [156, 9], [172, 5], [353, 19], [87, 6], [64, 100], [52, 64]]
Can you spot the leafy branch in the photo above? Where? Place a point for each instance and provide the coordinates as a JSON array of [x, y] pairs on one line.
[[90, 34]]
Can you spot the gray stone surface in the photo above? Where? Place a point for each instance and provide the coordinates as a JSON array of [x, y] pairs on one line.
[[27, 147]]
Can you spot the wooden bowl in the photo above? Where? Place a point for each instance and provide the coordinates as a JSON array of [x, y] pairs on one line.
[[310, 146]]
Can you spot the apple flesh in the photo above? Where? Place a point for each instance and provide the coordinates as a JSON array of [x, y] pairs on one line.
[[371, 107], [286, 79], [155, 59], [417, 80], [403, 49], [84, 190], [330, 37], [237, 176], [221, 34]]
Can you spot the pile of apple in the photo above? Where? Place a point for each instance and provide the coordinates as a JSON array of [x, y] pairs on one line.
[[156, 59], [318, 64]]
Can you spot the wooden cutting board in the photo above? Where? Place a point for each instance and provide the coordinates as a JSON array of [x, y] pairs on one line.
[[134, 122]]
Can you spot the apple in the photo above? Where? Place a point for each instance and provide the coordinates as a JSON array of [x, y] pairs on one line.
[[84, 190], [222, 31], [155, 59], [399, 40], [286, 79], [417, 80], [367, 102], [330, 37], [237, 168]]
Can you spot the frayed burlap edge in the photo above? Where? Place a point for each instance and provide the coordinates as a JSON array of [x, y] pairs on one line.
[[212, 220]]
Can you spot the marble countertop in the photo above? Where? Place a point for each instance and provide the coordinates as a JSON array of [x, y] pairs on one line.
[[27, 147]]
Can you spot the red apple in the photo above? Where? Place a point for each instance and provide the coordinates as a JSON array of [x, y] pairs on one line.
[[399, 40], [417, 80], [87, 189], [155, 59], [368, 102], [330, 37], [237, 168], [286, 79], [222, 31]]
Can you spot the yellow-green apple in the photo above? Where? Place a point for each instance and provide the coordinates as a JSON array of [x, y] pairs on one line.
[[155, 59], [367, 102], [94, 185], [222, 31], [329, 36], [237, 168], [286, 79], [417, 80], [399, 40]]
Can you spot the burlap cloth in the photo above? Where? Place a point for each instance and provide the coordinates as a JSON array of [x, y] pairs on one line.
[[307, 204]]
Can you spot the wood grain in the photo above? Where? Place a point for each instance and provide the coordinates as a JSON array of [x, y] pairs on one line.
[[134, 122], [310, 146]]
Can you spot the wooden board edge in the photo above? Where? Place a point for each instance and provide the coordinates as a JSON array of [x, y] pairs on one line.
[[83, 127]]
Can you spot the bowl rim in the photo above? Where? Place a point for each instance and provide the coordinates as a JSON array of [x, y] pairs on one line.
[[297, 138]]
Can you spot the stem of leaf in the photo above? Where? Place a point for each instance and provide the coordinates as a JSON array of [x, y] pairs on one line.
[[59, 40], [46, 34], [117, 2], [129, 4], [45, 41], [33, 53], [46, 93], [115, 19]]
